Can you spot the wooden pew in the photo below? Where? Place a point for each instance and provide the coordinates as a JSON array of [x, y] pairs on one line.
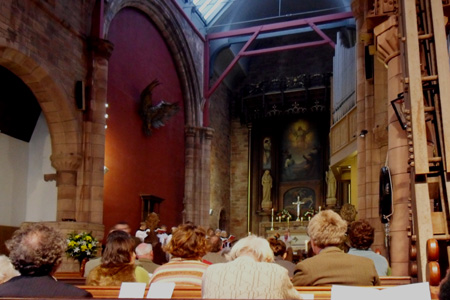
[[73, 278], [193, 292], [180, 291], [394, 280]]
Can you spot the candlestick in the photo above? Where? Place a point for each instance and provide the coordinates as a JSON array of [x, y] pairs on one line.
[[320, 208], [288, 220], [271, 226]]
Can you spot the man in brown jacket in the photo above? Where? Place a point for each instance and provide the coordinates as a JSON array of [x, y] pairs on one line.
[[331, 265]]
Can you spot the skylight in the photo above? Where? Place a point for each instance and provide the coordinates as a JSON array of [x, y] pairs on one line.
[[209, 9]]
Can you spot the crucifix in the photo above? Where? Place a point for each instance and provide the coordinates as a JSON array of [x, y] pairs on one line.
[[298, 203]]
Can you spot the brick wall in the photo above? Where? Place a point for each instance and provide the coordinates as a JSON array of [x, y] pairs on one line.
[[239, 178], [219, 111]]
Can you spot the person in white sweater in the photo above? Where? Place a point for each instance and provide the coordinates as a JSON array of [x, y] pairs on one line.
[[251, 274]]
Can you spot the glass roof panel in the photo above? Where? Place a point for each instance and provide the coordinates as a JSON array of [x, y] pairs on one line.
[[209, 9]]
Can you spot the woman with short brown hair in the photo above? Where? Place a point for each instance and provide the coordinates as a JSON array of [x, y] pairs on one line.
[[187, 247]]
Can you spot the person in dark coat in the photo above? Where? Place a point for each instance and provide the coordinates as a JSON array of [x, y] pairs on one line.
[[36, 251]]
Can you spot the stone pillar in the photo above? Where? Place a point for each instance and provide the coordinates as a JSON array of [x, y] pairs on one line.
[[91, 203], [66, 165], [358, 11], [387, 43], [197, 174]]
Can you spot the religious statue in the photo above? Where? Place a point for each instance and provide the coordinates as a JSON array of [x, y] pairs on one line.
[[331, 187], [266, 182], [155, 116], [267, 147]]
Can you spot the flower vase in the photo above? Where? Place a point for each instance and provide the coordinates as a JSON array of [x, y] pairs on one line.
[[83, 262]]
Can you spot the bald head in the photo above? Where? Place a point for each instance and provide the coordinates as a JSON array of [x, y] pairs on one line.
[[144, 250]]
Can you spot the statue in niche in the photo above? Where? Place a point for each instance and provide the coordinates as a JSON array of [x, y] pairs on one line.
[[267, 147], [266, 182], [331, 188]]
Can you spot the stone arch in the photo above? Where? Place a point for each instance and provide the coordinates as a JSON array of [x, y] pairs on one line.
[[161, 13], [64, 128], [61, 119]]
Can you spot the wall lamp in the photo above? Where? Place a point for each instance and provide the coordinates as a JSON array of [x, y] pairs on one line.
[[398, 104], [363, 133]]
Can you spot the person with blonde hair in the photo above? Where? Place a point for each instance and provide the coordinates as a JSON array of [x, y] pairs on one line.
[[186, 248], [7, 270], [251, 274], [331, 265]]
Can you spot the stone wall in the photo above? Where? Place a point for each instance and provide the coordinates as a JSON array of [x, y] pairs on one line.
[[239, 178], [219, 111]]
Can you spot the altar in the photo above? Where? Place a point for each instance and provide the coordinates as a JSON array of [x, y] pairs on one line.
[[297, 230]]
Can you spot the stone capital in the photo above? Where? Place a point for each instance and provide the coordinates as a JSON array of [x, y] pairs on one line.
[[192, 131], [101, 47], [387, 39], [66, 161]]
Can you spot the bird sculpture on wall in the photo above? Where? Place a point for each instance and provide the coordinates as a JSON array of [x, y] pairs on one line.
[[155, 116]]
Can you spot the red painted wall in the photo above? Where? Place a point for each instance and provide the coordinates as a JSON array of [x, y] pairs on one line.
[[139, 164]]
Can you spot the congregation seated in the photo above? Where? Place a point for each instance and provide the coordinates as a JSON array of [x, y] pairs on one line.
[[331, 265], [215, 251], [186, 248], [117, 262], [36, 251], [7, 270], [361, 235], [251, 274], [279, 250], [144, 254]]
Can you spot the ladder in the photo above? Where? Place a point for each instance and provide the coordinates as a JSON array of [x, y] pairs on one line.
[[427, 100]]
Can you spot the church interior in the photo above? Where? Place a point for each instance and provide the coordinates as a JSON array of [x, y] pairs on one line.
[[245, 115]]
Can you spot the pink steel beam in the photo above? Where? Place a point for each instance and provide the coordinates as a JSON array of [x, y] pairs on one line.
[[256, 30], [322, 34], [230, 66], [281, 25]]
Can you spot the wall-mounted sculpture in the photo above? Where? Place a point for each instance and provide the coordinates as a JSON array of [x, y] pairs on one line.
[[155, 116]]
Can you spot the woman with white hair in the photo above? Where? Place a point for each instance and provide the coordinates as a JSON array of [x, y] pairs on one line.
[[251, 274]]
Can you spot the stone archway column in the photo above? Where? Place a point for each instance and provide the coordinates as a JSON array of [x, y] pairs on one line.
[[66, 165], [387, 43], [91, 194], [197, 175]]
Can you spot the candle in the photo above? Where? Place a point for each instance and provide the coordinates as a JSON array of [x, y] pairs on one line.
[[288, 220], [309, 218], [271, 228], [320, 208], [306, 245]]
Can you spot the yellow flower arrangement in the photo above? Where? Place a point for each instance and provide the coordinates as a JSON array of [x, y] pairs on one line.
[[81, 245]]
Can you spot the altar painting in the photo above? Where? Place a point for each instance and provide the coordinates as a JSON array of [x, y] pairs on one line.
[[307, 196], [300, 155]]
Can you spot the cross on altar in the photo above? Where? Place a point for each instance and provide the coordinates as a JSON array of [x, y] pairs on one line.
[[298, 203]]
